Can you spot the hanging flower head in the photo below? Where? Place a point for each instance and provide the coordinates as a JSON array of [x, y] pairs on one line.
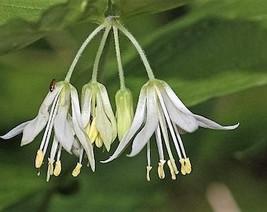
[[54, 115], [97, 116], [160, 112]]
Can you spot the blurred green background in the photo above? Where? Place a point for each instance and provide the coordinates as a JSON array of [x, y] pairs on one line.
[[212, 53]]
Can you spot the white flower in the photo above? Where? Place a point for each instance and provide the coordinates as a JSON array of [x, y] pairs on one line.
[[98, 119], [160, 111], [54, 114]]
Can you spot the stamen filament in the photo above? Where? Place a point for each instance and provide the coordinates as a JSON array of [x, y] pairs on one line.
[[148, 154], [49, 123], [180, 141], [159, 144], [166, 115]]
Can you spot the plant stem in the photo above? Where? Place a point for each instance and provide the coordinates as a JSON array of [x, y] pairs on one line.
[[99, 53], [118, 55], [139, 49], [80, 51]]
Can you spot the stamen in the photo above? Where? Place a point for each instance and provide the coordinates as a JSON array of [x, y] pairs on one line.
[[186, 167], [57, 169], [161, 172], [164, 132], [39, 159], [159, 144], [49, 125], [76, 171], [93, 131], [173, 168], [50, 169], [98, 141], [166, 115], [148, 169], [180, 140]]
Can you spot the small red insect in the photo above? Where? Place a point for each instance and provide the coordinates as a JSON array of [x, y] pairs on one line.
[[52, 85]]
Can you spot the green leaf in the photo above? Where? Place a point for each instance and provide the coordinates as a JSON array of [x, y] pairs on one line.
[[204, 56], [28, 10], [20, 33], [125, 8]]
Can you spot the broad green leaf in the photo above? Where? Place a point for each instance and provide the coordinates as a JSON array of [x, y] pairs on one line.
[[28, 10], [125, 8], [20, 33]]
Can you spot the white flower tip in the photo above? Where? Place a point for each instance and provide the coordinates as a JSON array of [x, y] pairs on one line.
[[108, 160], [4, 137], [231, 127]]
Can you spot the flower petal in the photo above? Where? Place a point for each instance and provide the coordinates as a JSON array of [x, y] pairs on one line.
[[207, 123], [151, 124], [83, 138], [184, 119], [38, 123], [108, 109], [86, 105], [138, 120], [103, 124], [17, 130], [63, 130], [174, 98]]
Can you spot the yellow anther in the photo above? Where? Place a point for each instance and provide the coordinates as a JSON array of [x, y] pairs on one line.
[[98, 141], [50, 169], [161, 172], [57, 169], [39, 159], [185, 166], [148, 169], [76, 171], [93, 131], [50, 166], [172, 167]]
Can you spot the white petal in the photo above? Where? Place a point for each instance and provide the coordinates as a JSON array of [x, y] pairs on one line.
[[83, 138], [50, 97], [86, 105], [108, 109], [138, 120], [32, 129], [38, 123], [63, 130], [207, 123], [103, 124], [17, 130], [184, 119], [151, 124], [173, 98]]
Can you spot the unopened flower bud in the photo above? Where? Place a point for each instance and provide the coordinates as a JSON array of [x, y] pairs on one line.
[[124, 107]]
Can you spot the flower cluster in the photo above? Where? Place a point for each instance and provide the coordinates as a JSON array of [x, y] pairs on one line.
[[77, 127]]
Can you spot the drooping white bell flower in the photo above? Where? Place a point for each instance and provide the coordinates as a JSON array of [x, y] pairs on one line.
[[160, 111], [54, 115], [98, 119]]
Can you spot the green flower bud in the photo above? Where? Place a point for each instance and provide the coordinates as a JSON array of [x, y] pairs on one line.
[[124, 113]]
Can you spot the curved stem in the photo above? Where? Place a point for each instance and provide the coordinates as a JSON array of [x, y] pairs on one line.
[[118, 55], [139, 49], [80, 51], [99, 53]]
